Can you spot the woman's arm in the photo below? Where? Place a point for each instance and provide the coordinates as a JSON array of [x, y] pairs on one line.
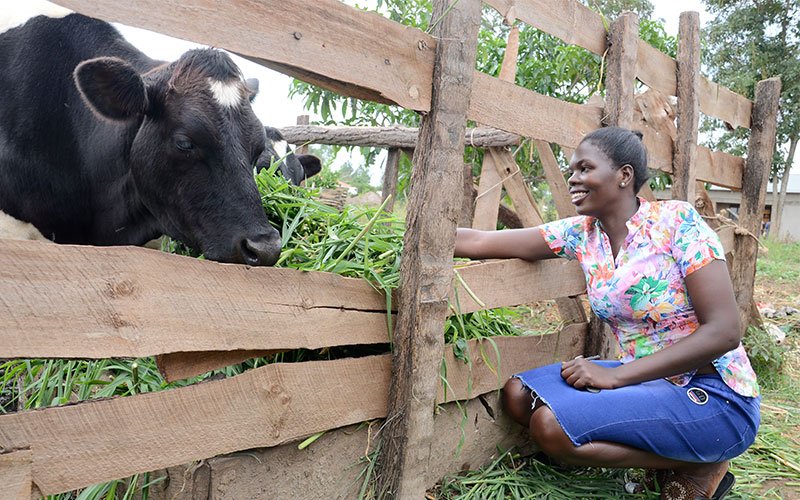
[[711, 292], [527, 243]]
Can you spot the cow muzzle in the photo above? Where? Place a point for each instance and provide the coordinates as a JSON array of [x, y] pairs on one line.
[[260, 250]]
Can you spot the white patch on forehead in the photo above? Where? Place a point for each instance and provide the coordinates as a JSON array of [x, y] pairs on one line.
[[19, 12], [227, 94], [15, 229], [281, 148]]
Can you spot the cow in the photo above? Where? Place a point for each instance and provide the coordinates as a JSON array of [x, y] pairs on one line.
[[101, 145]]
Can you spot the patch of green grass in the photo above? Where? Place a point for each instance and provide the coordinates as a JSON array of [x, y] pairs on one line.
[[781, 263]]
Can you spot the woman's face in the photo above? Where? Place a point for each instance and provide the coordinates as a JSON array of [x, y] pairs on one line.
[[594, 185]]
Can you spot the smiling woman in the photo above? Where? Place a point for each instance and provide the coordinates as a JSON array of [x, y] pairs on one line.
[[682, 398]]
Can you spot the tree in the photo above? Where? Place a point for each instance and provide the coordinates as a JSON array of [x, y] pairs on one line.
[[545, 64], [748, 41]]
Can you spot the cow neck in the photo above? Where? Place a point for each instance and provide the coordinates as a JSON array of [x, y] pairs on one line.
[[123, 223]]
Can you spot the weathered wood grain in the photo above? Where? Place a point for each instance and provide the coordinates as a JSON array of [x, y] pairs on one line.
[[760, 151], [684, 165], [426, 269], [388, 137], [349, 51], [522, 283], [490, 362], [621, 73], [73, 446], [568, 20], [555, 179], [16, 477], [490, 192], [78, 445], [97, 302], [509, 107]]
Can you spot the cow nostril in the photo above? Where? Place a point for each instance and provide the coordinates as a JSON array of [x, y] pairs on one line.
[[260, 251]]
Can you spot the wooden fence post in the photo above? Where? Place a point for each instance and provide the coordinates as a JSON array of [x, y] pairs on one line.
[[763, 127], [623, 42], [302, 149], [390, 178], [426, 272], [685, 154]]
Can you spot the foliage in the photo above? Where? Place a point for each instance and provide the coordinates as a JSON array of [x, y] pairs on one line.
[[765, 355], [781, 263], [749, 41]]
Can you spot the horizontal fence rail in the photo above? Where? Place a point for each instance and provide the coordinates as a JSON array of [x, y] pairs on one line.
[[348, 51], [78, 445], [64, 301]]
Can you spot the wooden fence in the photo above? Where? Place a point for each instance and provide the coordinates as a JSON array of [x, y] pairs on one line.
[[66, 301]]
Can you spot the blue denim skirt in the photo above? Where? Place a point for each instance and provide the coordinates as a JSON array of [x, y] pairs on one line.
[[705, 421]]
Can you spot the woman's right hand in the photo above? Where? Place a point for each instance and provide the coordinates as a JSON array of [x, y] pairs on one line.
[[527, 243]]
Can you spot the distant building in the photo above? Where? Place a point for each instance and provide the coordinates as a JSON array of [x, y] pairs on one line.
[[730, 201]]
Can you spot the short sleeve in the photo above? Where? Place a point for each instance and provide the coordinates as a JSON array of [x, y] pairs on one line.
[[564, 236], [694, 243]]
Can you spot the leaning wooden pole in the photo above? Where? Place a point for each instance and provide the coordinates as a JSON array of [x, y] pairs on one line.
[[684, 158], [426, 273], [763, 127]]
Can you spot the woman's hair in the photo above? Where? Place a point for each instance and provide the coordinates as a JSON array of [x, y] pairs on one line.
[[622, 147]]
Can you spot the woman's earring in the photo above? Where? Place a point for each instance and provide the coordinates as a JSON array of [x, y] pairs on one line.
[[622, 184]]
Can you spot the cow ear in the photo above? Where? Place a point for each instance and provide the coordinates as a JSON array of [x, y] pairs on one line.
[[252, 88], [311, 164], [112, 88]]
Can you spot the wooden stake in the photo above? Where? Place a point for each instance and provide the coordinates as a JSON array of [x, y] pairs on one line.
[[426, 273], [685, 153], [390, 178], [754, 184], [621, 73]]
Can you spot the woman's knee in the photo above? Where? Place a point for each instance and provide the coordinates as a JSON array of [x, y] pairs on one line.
[[517, 401], [548, 434]]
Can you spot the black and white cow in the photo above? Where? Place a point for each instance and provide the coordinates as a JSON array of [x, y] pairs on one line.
[[101, 145]]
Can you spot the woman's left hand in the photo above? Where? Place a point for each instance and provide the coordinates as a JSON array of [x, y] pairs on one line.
[[581, 373]]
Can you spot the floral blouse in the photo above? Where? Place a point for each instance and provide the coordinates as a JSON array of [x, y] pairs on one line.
[[641, 293]]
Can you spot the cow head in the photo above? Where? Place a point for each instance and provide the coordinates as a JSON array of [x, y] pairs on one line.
[[195, 140], [294, 167]]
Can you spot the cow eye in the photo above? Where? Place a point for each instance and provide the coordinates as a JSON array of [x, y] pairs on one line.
[[184, 144]]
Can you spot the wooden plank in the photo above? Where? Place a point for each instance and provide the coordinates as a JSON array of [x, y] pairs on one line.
[[719, 168], [182, 365], [568, 20], [514, 281], [490, 192], [390, 178], [555, 179], [621, 73], [425, 273], [16, 477], [760, 151], [328, 469], [684, 165], [495, 284], [352, 52], [78, 445], [388, 137], [97, 302], [516, 188], [493, 361], [81, 444], [721, 102], [656, 69], [506, 106]]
